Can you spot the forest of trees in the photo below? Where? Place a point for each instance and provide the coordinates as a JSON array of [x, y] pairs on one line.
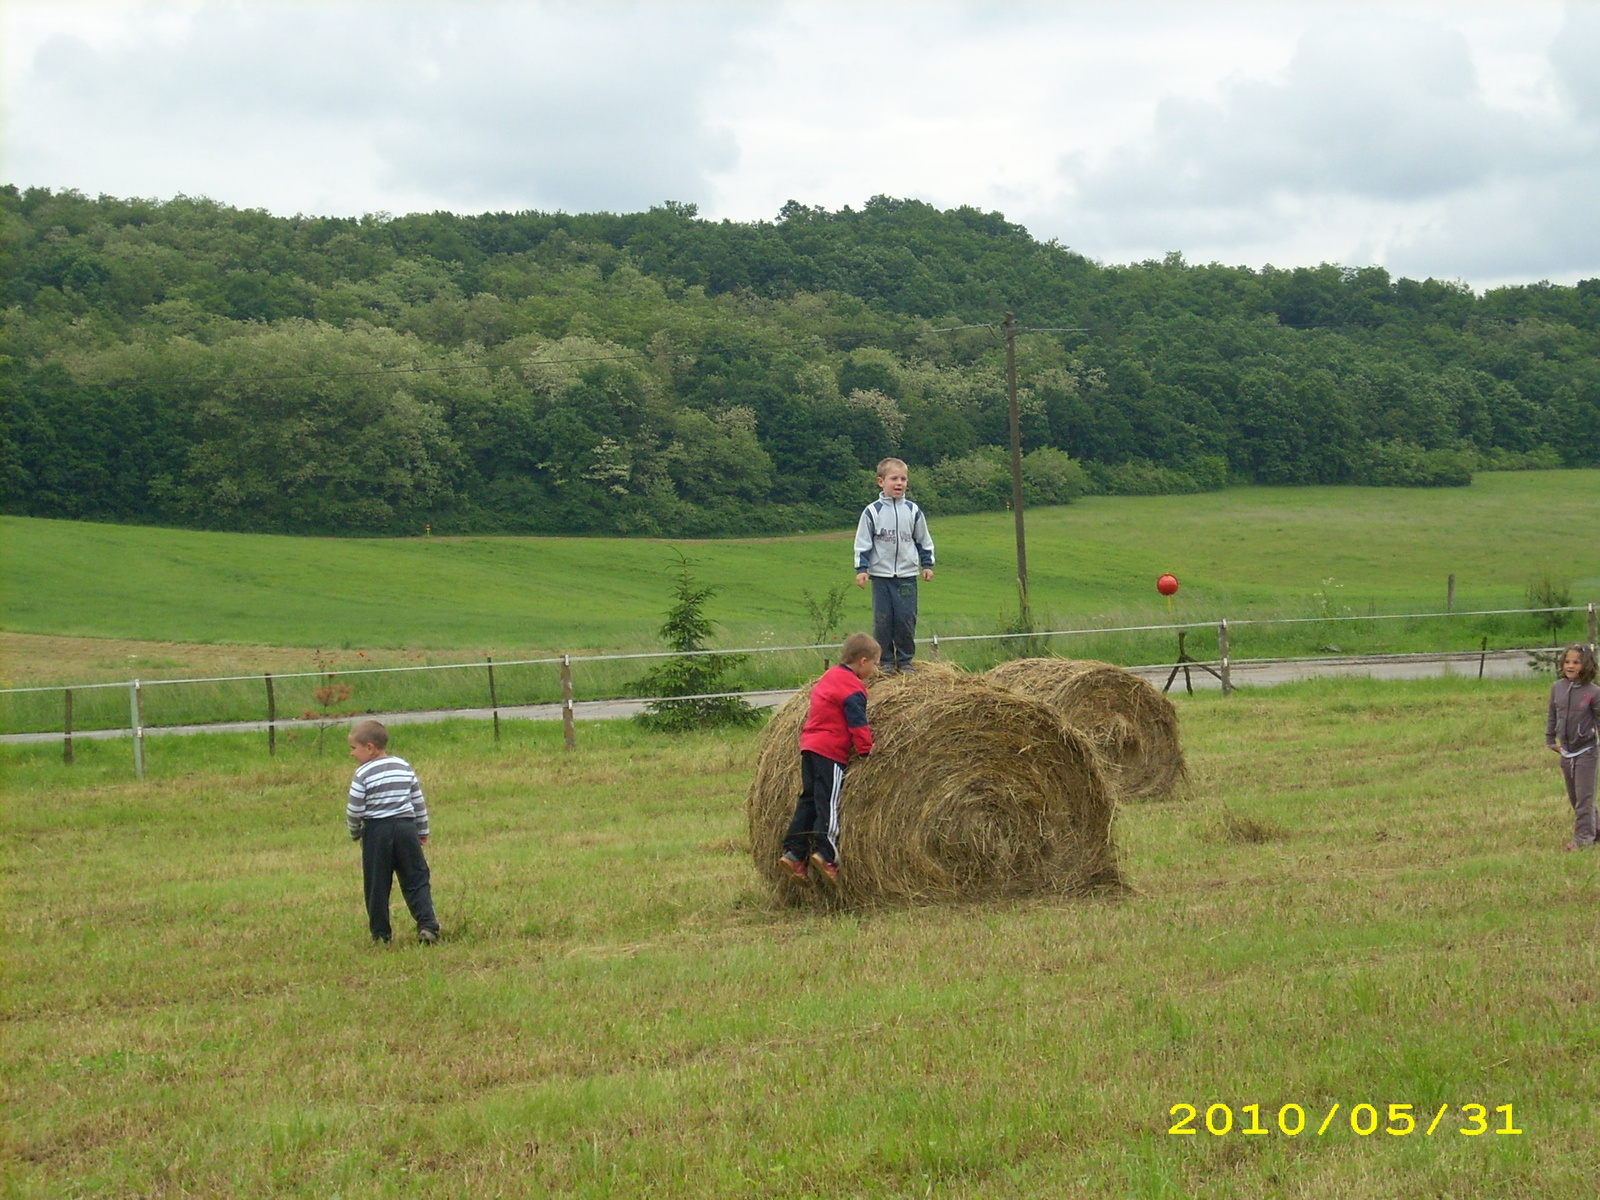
[[184, 362]]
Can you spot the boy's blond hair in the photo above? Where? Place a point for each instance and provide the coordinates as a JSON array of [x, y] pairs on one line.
[[858, 646], [370, 733], [883, 467]]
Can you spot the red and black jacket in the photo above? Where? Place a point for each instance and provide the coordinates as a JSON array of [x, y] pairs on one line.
[[837, 718]]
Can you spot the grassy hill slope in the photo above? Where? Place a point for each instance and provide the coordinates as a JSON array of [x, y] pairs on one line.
[[1243, 550]]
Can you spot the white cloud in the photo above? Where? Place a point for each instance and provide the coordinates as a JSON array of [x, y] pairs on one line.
[[356, 106], [1378, 141], [1454, 139], [1392, 114]]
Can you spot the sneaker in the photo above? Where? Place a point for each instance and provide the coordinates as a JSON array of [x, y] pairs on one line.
[[796, 868], [427, 936], [828, 870]]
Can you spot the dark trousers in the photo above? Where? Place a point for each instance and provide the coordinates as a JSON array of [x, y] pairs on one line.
[[894, 620], [390, 847], [815, 827]]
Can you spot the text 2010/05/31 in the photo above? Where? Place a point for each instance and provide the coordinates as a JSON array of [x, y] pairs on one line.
[[1364, 1120]]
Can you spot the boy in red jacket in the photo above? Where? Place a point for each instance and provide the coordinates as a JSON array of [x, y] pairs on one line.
[[836, 721]]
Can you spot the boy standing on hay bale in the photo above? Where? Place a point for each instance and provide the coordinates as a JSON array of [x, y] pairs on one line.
[[835, 722], [892, 547]]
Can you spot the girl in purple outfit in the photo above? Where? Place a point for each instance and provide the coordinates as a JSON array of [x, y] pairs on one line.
[[1569, 730]]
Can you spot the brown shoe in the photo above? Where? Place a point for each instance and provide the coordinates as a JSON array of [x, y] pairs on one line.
[[828, 870], [796, 868]]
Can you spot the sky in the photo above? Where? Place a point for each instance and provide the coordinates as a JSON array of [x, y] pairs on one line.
[[1456, 140]]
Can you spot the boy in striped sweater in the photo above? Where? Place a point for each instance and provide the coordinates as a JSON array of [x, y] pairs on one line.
[[389, 817], [836, 723]]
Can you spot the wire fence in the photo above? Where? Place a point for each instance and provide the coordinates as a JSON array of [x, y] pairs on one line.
[[333, 694]]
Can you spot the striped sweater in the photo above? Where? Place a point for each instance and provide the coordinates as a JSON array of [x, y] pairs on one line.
[[385, 787]]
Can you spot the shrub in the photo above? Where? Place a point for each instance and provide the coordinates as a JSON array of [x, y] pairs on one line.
[[1141, 477], [1541, 458], [981, 481], [1399, 463]]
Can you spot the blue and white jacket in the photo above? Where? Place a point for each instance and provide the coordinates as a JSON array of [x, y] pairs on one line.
[[892, 540]]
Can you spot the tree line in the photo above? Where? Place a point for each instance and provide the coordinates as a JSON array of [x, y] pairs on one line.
[[655, 373]]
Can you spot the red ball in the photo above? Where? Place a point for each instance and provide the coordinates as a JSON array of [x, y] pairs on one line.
[[1167, 585]]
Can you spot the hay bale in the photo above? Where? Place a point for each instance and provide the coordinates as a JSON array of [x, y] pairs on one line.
[[971, 792], [1134, 727]]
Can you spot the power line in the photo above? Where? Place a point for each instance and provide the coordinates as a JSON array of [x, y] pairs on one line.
[[414, 370], [411, 370], [817, 338], [1019, 328]]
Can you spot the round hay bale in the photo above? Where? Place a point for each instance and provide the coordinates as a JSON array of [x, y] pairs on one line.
[[971, 792], [1132, 725]]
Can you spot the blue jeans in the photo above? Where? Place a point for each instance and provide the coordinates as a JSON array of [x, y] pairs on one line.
[[894, 620]]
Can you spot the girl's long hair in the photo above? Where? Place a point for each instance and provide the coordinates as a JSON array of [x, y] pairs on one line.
[[1587, 667]]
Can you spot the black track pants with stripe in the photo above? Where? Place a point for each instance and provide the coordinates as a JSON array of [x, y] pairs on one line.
[[816, 817], [389, 847]]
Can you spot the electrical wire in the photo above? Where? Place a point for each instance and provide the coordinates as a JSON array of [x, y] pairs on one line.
[[414, 370], [1090, 631], [411, 370], [176, 380]]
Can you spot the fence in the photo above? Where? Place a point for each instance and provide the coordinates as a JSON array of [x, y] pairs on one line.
[[319, 696]]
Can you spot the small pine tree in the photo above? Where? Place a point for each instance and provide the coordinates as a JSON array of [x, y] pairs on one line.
[[1546, 591], [825, 616], [690, 673]]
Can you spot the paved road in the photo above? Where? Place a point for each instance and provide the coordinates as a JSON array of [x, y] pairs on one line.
[[1497, 664], [583, 710]]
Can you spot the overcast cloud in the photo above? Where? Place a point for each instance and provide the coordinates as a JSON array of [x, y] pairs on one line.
[[1456, 140]]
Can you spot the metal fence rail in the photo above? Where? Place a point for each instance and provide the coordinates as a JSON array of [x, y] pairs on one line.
[[1219, 666], [934, 639]]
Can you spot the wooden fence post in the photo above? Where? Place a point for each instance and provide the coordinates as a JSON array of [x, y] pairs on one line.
[[66, 735], [1594, 640], [494, 702], [1450, 593], [1222, 653], [567, 731], [136, 716], [936, 645], [272, 716]]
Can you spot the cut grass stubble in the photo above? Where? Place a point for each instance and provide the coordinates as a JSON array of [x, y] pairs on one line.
[[191, 1006]]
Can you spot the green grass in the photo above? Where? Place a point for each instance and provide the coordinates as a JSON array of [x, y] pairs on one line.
[[1244, 551], [1366, 902], [1247, 553]]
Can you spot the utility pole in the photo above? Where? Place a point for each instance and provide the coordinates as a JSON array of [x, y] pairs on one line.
[[1010, 328]]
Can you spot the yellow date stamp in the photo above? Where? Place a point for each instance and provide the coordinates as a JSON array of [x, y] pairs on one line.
[[1363, 1120]]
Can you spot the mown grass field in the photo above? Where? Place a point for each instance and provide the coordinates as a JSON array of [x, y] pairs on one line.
[[191, 1007], [78, 596], [1243, 551]]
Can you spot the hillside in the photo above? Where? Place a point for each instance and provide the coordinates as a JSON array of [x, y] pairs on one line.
[[1280, 551], [187, 363]]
